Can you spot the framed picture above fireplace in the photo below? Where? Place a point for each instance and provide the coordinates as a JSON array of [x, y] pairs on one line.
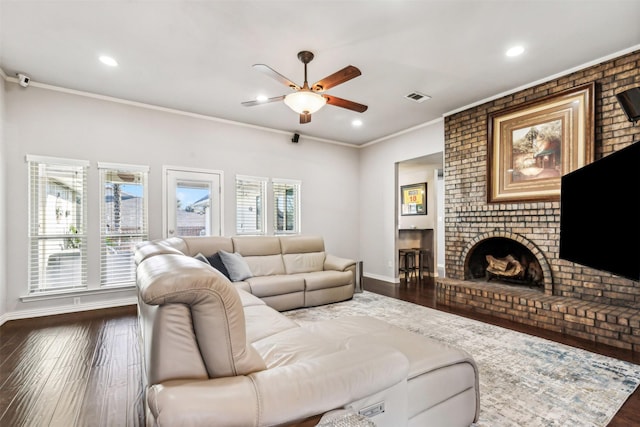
[[413, 199], [533, 145]]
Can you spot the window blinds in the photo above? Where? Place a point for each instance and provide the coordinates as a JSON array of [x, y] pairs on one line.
[[250, 210], [123, 220], [57, 223]]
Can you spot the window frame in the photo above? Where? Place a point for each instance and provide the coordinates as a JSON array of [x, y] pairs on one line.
[[287, 184]]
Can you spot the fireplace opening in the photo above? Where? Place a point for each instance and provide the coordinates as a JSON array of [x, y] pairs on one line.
[[504, 260]]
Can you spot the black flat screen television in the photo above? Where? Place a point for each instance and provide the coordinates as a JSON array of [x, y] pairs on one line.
[[600, 214]]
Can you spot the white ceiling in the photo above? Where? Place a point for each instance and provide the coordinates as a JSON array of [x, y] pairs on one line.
[[197, 56]]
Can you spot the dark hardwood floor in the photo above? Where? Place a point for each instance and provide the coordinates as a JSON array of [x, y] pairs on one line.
[[84, 369], [80, 369]]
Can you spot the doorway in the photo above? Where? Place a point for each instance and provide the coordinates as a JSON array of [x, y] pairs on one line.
[[192, 204], [425, 230]]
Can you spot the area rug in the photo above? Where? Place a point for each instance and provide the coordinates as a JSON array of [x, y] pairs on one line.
[[524, 380]]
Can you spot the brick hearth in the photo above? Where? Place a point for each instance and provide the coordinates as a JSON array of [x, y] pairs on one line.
[[601, 323]]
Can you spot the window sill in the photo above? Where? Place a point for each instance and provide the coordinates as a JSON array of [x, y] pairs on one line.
[[43, 296]]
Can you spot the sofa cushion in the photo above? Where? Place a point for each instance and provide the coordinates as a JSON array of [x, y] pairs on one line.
[[236, 266], [263, 321], [207, 245], [266, 286], [326, 279], [301, 244], [242, 286], [265, 265], [256, 245], [293, 345], [303, 263], [433, 365]]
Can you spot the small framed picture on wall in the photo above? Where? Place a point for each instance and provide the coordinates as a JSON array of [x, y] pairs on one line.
[[413, 199]]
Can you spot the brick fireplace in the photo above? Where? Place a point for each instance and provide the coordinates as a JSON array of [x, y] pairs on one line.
[[568, 297]]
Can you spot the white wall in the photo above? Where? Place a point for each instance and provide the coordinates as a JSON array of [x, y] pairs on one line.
[[47, 122], [3, 206], [379, 197]]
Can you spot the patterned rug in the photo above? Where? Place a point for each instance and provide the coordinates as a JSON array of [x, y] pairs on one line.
[[524, 380]]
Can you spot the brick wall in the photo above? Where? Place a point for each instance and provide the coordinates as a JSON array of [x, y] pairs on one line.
[[468, 215]]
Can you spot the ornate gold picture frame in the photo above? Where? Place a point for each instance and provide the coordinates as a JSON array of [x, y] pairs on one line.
[[533, 145]]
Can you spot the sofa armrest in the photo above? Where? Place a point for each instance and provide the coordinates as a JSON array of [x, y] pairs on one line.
[[333, 262], [281, 394], [229, 402]]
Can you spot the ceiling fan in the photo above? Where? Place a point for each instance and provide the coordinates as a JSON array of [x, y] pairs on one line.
[[306, 100]]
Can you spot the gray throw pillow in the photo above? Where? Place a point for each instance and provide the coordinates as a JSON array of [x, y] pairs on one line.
[[236, 266], [202, 258]]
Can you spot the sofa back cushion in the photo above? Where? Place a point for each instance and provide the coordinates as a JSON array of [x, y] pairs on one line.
[[265, 265], [256, 245], [301, 244], [207, 245], [262, 253], [303, 263]]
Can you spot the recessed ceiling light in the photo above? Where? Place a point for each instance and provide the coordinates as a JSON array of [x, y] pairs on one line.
[[515, 51], [261, 98], [107, 60], [356, 123]]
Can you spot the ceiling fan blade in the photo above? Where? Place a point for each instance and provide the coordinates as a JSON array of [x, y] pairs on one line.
[[305, 118], [265, 69], [266, 101], [349, 105], [347, 73]]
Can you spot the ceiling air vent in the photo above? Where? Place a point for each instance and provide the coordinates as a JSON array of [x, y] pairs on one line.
[[417, 96]]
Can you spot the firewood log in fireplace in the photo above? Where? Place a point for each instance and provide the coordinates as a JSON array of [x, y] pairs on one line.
[[504, 267]]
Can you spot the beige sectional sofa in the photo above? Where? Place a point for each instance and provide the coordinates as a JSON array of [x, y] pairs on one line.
[[287, 272], [216, 355]]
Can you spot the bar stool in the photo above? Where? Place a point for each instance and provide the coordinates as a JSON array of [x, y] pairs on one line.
[[407, 263], [424, 261]]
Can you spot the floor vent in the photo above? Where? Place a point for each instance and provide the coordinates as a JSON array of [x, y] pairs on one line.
[[417, 96]]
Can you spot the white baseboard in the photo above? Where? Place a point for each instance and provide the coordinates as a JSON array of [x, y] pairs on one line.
[[51, 311], [382, 278]]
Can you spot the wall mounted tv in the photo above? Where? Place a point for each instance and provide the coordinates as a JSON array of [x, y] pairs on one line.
[[600, 214]]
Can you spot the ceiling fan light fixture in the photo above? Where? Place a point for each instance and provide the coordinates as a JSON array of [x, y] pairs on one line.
[[305, 101]]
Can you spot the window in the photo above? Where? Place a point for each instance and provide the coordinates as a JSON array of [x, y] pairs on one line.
[[286, 205], [250, 210], [123, 220], [57, 224]]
